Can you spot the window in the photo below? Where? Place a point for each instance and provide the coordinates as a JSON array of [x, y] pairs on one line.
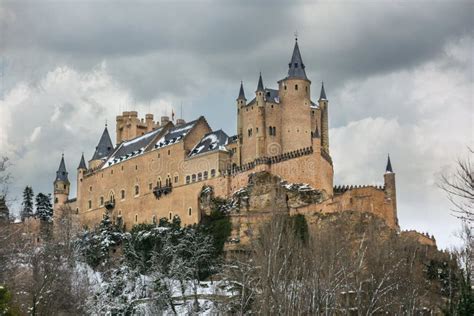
[[169, 152], [77, 210], [296, 87], [121, 168], [257, 130], [171, 215], [112, 197], [284, 87], [213, 173], [188, 179], [101, 203], [136, 167], [137, 190], [274, 131], [136, 218], [112, 171], [90, 188], [206, 174], [306, 88], [55, 200], [150, 186], [65, 187], [90, 204], [158, 155], [154, 219], [270, 130], [190, 210], [122, 194], [296, 65], [158, 184], [199, 176], [194, 178], [176, 179]]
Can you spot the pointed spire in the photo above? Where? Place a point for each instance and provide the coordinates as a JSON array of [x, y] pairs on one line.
[[241, 92], [61, 174], [105, 147], [296, 65], [82, 163], [322, 95], [260, 83], [389, 169]]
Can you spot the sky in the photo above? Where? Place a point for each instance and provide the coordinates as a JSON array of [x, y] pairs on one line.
[[398, 76]]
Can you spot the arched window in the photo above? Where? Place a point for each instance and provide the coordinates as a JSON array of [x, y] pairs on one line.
[[101, 202], [296, 87], [270, 130], [136, 218], [171, 215], [194, 178], [213, 173], [199, 176], [112, 197], [206, 174], [137, 190], [158, 184], [154, 219], [90, 204], [188, 179]]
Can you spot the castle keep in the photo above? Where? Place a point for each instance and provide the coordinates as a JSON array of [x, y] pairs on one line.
[[158, 168]]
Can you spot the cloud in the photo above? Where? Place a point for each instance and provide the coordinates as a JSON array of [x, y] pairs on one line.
[[423, 143]]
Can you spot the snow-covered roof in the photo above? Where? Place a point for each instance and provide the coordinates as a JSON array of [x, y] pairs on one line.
[[216, 140], [175, 134], [131, 148], [270, 95]]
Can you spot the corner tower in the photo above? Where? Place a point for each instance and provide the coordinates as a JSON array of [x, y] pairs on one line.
[[61, 187], [241, 103], [295, 99], [390, 187], [102, 150], [323, 106]]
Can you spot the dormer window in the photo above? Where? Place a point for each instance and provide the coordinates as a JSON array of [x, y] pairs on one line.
[[296, 65]]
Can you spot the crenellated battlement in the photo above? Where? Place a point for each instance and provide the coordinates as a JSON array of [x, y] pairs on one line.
[[338, 189]]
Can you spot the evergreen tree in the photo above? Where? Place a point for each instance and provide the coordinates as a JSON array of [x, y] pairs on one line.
[[4, 212], [44, 209], [27, 205]]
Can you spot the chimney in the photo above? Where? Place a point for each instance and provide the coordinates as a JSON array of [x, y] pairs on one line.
[[164, 120], [180, 122], [150, 124]]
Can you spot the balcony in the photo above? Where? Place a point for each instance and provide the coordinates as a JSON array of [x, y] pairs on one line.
[[160, 191], [109, 205]]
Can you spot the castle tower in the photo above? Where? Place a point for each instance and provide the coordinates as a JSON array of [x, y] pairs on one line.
[[295, 92], [260, 128], [80, 175], [241, 102], [61, 188], [390, 187], [323, 105], [102, 150]]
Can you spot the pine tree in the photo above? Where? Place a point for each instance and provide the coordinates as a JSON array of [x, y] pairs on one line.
[[44, 209], [27, 205]]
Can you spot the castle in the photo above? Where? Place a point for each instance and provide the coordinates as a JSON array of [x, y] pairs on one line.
[[158, 169]]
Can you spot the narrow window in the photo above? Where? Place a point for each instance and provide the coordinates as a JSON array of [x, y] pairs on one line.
[[190, 210], [137, 190], [122, 194], [64, 187], [188, 179], [112, 171], [90, 188], [154, 219], [121, 168], [101, 201], [194, 178], [284, 87], [213, 173], [199, 176], [270, 131], [112, 198], [150, 186], [176, 179], [136, 167], [206, 174], [136, 218], [90, 204], [296, 87], [169, 152], [171, 215], [296, 65], [55, 200], [274, 131]]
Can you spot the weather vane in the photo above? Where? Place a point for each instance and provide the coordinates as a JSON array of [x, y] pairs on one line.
[[296, 35]]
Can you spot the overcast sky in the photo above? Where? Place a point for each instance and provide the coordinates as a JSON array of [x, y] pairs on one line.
[[398, 76]]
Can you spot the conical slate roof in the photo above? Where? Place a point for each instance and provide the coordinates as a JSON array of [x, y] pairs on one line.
[[322, 95], [260, 83], [389, 166], [241, 92], [296, 66], [61, 174], [105, 147], [82, 163]]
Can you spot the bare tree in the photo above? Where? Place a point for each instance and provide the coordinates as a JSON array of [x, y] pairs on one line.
[[459, 186]]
